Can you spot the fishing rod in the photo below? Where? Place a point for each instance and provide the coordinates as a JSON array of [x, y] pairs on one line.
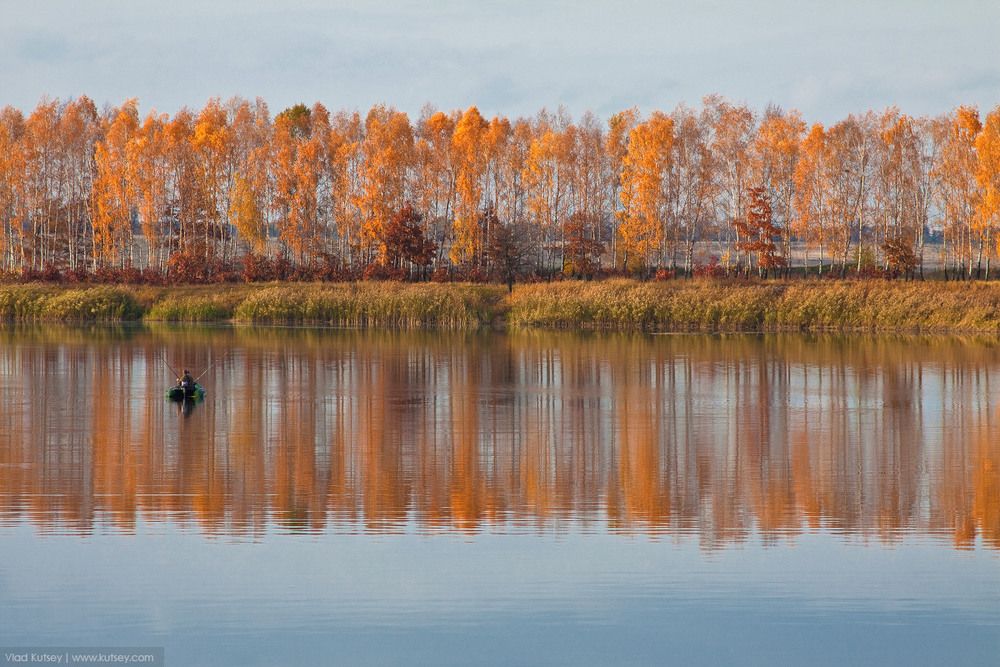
[[210, 367], [164, 360]]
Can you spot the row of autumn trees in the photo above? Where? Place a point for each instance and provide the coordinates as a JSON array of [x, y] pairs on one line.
[[327, 194]]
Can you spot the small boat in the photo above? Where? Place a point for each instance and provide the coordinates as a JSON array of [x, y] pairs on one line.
[[179, 393]]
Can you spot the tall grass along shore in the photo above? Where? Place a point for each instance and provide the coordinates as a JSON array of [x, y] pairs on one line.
[[625, 305], [869, 305], [376, 304]]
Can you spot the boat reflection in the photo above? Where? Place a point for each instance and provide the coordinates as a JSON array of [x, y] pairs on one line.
[[720, 439], [186, 404]]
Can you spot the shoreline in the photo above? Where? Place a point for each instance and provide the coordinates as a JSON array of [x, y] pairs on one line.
[[677, 306]]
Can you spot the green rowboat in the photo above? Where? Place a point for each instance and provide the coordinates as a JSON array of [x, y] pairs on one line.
[[179, 393]]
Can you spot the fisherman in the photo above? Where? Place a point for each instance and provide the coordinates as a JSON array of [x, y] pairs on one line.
[[187, 382]]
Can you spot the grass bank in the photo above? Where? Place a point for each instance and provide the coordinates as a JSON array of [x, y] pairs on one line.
[[723, 306], [376, 304], [625, 305], [366, 304], [39, 302]]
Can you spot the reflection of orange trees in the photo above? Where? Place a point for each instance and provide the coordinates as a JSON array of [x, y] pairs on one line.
[[384, 492], [537, 466], [116, 461], [767, 464], [644, 497], [201, 481], [986, 491], [969, 501], [723, 438], [248, 481], [468, 498], [295, 482]]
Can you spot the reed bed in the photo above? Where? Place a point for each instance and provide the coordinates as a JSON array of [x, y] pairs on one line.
[[376, 304], [30, 303], [193, 304], [620, 305], [630, 305], [746, 306]]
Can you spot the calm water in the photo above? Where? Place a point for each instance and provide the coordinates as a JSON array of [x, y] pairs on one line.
[[382, 498]]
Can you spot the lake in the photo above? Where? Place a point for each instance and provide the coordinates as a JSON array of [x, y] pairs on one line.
[[346, 497]]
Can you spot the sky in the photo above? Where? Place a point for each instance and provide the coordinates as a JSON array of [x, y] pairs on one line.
[[510, 58]]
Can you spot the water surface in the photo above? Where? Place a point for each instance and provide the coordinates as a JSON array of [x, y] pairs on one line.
[[531, 498]]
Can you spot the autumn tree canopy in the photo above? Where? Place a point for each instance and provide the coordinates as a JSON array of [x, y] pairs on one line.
[[83, 190]]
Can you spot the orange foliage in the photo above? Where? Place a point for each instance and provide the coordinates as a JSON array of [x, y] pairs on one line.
[[468, 144], [81, 190], [645, 170], [757, 233]]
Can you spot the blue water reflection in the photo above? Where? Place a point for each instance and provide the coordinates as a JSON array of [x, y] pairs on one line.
[[493, 599]]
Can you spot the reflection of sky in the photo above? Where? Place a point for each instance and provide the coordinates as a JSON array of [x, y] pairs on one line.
[[566, 598]]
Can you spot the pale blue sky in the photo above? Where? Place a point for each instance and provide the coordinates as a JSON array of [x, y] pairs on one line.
[[827, 59]]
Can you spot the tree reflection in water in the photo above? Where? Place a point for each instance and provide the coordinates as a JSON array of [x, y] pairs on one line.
[[715, 437]]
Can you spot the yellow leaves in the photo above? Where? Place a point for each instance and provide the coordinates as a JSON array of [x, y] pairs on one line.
[[966, 124], [247, 215], [545, 175], [619, 127], [125, 123], [468, 144], [211, 130], [645, 171], [657, 185], [808, 172], [470, 151], [13, 177], [777, 148], [388, 155], [439, 127], [113, 191], [469, 133], [988, 170]]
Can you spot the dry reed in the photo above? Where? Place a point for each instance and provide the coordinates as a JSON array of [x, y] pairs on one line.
[[375, 304], [767, 306], [623, 305], [26, 303]]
